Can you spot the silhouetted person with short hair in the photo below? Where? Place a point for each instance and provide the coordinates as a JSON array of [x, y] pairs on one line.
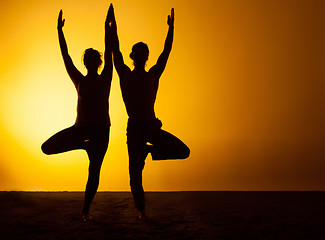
[[91, 129], [139, 90]]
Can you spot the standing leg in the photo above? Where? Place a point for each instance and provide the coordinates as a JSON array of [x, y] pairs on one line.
[[137, 155], [92, 183], [96, 149], [167, 146]]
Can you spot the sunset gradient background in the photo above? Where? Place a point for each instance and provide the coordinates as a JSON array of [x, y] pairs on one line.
[[244, 88]]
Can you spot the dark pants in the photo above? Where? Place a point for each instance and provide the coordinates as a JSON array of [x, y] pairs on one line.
[[93, 139], [164, 146]]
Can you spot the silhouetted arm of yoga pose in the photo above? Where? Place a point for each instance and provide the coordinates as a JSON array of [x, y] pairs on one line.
[[162, 60], [117, 55], [73, 72], [108, 67]]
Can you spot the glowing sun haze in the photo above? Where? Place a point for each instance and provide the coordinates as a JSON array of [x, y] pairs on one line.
[[243, 88]]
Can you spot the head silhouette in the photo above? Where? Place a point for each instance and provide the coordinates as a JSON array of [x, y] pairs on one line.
[[92, 59], [139, 54]]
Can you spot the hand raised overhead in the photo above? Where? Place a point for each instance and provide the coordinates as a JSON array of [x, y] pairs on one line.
[[60, 21], [170, 20]]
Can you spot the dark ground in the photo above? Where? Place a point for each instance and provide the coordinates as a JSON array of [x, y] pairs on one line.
[[173, 215]]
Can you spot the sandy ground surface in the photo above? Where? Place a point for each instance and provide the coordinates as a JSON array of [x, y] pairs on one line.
[[173, 215]]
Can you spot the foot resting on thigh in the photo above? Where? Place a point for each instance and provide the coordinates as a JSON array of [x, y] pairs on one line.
[[149, 148]]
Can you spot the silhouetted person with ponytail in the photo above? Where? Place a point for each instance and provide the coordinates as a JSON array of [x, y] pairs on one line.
[[91, 129], [139, 89]]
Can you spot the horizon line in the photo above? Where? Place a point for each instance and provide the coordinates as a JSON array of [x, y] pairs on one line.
[[160, 191]]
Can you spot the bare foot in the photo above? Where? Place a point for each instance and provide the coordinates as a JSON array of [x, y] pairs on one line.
[[86, 217], [142, 216]]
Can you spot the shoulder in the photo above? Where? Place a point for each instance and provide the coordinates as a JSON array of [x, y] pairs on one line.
[[126, 71], [154, 72], [153, 69], [77, 78], [125, 74]]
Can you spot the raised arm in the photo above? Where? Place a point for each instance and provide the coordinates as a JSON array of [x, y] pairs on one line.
[[162, 60], [71, 69], [117, 55], [108, 67]]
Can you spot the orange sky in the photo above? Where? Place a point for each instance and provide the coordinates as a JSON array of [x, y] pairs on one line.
[[243, 88]]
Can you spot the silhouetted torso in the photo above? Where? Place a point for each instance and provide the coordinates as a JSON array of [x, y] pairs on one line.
[[139, 90], [93, 93]]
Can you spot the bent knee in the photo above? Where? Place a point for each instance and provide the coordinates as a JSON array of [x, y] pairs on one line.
[[185, 153], [46, 149]]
